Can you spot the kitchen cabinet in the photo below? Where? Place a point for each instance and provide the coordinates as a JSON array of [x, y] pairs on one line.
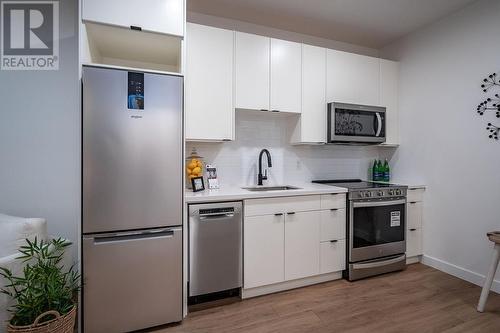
[[162, 16], [209, 84], [389, 98], [332, 256], [286, 76], [291, 238], [352, 78], [251, 59], [301, 244], [264, 250], [414, 241], [310, 127]]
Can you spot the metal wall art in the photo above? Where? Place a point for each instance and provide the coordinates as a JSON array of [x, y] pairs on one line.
[[491, 104]]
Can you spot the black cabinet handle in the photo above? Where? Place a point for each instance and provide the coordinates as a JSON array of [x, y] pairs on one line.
[[334, 209], [412, 202], [291, 213], [264, 110], [134, 27], [278, 214], [413, 229], [275, 110], [334, 241]]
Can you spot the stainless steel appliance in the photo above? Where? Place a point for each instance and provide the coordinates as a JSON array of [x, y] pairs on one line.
[[132, 199], [352, 123], [376, 227], [215, 247]]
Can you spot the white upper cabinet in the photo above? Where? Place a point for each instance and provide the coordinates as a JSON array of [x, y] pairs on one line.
[[209, 83], [163, 16], [311, 126], [389, 98], [252, 64], [352, 78], [285, 76]]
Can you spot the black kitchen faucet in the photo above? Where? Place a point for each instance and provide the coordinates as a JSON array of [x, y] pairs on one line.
[[269, 164]]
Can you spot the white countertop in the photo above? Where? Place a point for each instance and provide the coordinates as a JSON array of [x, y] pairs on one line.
[[226, 193]]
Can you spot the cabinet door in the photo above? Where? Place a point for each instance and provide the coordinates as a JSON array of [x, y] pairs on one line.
[[285, 76], [264, 244], [389, 98], [414, 242], [209, 83], [313, 115], [352, 78], [332, 256], [301, 244], [414, 215], [164, 16], [251, 71], [333, 223]]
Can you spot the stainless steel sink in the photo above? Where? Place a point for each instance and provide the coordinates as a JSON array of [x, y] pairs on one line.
[[271, 188]]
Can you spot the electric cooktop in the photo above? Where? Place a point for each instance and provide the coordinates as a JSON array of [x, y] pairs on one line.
[[364, 189]]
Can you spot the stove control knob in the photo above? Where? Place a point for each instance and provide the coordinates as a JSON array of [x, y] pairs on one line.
[[391, 192], [398, 192], [368, 194], [380, 193]]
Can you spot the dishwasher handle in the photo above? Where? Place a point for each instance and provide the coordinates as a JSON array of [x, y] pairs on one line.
[[216, 216]]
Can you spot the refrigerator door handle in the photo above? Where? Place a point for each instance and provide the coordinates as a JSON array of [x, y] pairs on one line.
[[166, 233]]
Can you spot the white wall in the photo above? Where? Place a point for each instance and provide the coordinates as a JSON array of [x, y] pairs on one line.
[[237, 161], [226, 23], [444, 143], [40, 137]]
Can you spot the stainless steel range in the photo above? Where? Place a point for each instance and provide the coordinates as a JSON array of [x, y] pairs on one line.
[[376, 227]]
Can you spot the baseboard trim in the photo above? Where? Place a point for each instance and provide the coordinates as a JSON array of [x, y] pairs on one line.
[[287, 285], [460, 272]]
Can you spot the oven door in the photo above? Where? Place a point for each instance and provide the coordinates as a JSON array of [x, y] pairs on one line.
[[376, 229], [356, 123]]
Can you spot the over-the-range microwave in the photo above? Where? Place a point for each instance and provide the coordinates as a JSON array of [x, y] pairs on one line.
[[353, 123]]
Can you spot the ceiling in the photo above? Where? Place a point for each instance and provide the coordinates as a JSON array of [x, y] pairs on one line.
[[370, 23]]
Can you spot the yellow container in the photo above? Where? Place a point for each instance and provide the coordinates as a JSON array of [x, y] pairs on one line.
[[194, 166]]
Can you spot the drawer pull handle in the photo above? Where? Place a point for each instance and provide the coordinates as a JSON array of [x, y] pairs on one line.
[[334, 241], [334, 209], [291, 213], [134, 27], [413, 202], [333, 193], [278, 214], [413, 229]]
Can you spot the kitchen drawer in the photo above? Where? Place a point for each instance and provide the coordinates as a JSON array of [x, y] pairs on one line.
[[265, 206], [415, 194], [333, 222], [333, 200], [414, 242], [414, 214], [332, 256]]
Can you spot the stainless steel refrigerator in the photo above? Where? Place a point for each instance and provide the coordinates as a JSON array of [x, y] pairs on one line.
[[132, 199]]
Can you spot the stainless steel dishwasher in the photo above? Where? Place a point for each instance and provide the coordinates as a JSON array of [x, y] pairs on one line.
[[215, 247]]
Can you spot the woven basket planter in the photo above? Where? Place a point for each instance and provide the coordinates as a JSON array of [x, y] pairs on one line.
[[60, 324]]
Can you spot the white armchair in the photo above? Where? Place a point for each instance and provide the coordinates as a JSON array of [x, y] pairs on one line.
[[13, 232]]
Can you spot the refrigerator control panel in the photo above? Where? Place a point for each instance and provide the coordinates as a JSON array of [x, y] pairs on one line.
[[135, 96]]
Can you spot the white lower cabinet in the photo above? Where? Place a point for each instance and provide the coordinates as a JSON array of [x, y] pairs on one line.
[[264, 250], [414, 241], [301, 244], [292, 238], [332, 256]]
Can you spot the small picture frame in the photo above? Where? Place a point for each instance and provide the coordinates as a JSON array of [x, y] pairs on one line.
[[198, 184]]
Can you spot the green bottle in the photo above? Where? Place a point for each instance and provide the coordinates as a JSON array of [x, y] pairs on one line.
[[378, 171], [387, 171]]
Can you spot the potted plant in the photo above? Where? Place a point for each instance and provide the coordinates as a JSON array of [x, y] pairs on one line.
[[44, 296]]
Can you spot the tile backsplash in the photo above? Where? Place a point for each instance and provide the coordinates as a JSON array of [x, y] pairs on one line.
[[237, 161]]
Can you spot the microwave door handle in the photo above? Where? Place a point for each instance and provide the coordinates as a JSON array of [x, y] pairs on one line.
[[379, 124]]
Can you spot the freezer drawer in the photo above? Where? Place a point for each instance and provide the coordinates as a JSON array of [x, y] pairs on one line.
[[132, 280], [215, 247]]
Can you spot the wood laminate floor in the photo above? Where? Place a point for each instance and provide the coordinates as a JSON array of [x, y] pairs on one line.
[[420, 299]]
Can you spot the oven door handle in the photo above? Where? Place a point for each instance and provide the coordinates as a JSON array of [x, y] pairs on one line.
[[379, 263], [378, 203]]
